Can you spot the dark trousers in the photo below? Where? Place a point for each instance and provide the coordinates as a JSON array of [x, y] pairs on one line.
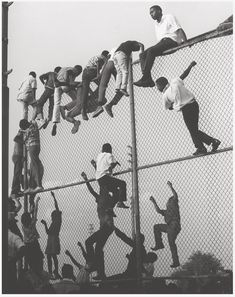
[[99, 237], [191, 118], [87, 76], [172, 231], [17, 178], [36, 164], [148, 56], [47, 94], [34, 256], [114, 185]]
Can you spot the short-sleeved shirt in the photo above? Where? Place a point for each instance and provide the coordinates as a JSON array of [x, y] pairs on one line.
[[128, 47], [14, 244], [26, 88], [167, 28], [96, 61], [61, 76], [103, 163], [32, 136], [177, 94], [50, 80]]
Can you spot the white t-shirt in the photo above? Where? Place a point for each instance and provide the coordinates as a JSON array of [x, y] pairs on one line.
[[177, 94], [14, 244], [26, 89], [167, 28], [103, 163]]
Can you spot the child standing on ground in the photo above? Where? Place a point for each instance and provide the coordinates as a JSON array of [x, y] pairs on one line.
[[34, 255], [53, 240], [121, 59]]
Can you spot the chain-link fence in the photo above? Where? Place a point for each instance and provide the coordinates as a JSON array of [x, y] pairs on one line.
[[204, 184]]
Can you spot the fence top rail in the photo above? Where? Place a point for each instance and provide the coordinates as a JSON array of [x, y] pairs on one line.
[[192, 41]]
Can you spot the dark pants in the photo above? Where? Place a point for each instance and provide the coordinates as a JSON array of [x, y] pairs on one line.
[[36, 164], [99, 237], [172, 231], [148, 56], [191, 117], [87, 76], [47, 94], [114, 185], [34, 256], [17, 178]]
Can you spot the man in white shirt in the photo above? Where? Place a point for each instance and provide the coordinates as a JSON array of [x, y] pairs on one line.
[[27, 94], [104, 166], [176, 96], [168, 34]]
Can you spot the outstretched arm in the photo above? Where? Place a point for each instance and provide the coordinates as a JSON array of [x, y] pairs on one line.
[[124, 237], [83, 250], [55, 201], [90, 189], [173, 190], [35, 213], [158, 210], [45, 225], [73, 260], [186, 72]]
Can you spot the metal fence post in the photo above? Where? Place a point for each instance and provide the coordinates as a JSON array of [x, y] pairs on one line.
[[135, 190]]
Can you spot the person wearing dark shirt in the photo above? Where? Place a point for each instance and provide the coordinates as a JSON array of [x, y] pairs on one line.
[[172, 226], [121, 60], [48, 80]]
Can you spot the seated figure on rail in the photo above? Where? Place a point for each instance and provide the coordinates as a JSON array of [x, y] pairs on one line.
[[64, 83], [74, 108], [91, 73], [105, 204], [104, 166], [48, 80], [53, 240], [169, 34], [131, 270], [172, 227], [32, 141], [176, 96]]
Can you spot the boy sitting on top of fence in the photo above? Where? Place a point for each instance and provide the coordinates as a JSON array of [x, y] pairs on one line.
[[176, 96]]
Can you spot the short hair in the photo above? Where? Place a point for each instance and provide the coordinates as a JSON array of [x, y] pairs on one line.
[[157, 7], [57, 69], [107, 148], [105, 53], [32, 73], [67, 271], [150, 257], [78, 68], [162, 81], [24, 124]]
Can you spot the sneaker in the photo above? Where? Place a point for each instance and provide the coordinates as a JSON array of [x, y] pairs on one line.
[[124, 92], [121, 204], [200, 151], [53, 132], [158, 247], [75, 127], [174, 265], [98, 111], [108, 109], [215, 144], [62, 111]]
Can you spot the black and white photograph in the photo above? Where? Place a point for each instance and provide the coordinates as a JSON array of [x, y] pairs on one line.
[[117, 147]]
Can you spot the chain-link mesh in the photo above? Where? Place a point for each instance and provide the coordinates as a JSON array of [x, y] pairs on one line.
[[204, 184]]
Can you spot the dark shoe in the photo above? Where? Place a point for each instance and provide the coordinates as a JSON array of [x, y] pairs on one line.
[[108, 109], [138, 83], [53, 132], [121, 205], [158, 247], [84, 116], [62, 111], [200, 151], [148, 83], [124, 92], [75, 127], [174, 265], [215, 144], [110, 212], [98, 111]]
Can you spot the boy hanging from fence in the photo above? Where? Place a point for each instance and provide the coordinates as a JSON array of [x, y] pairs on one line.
[[105, 204], [176, 96], [172, 227], [53, 240]]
